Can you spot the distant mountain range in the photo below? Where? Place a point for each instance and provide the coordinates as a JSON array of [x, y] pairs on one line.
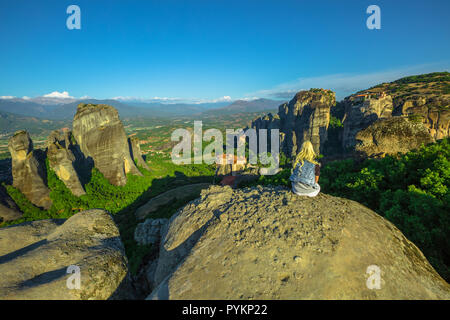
[[65, 109], [244, 106]]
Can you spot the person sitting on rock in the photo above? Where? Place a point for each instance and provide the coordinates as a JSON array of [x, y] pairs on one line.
[[305, 176]]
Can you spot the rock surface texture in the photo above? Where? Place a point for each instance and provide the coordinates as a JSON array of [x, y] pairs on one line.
[[101, 137], [28, 170], [305, 117], [390, 136], [61, 160], [267, 243], [35, 256]]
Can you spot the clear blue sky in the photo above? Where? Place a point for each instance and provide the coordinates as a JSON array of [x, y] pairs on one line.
[[214, 48]]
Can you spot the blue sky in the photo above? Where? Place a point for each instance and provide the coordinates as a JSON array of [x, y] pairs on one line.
[[208, 49]]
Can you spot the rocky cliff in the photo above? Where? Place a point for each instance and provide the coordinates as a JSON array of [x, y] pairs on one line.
[[267, 243], [360, 112], [363, 109], [98, 139], [28, 170], [8, 209], [305, 117], [423, 99], [135, 151], [61, 160], [101, 137], [432, 111]]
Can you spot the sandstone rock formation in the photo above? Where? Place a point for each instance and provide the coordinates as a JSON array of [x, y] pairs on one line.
[[28, 170], [434, 112], [136, 152], [424, 98], [35, 256], [61, 160], [391, 136], [101, 137], [149, 231], [267, 243], [305, 117], [361, 111], [168, 197], [8, 209], [230, 164], [297, 122]]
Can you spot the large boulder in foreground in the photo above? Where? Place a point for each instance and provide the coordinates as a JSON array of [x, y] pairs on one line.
[[391, 136], [35, 256], [28, 170], [101, 137], [61, 160], [267, 243]]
